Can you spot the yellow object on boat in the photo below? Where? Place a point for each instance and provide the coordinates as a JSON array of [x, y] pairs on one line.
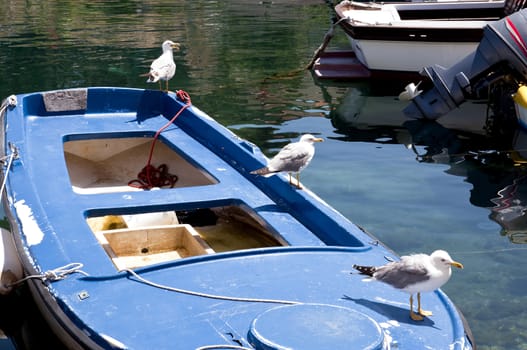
[[520, 104], [520, 97], [520, 101]]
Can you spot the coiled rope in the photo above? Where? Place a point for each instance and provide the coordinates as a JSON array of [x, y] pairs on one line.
[[55, 274], [151, 176]]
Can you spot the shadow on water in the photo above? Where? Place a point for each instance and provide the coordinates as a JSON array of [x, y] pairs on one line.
[[489, 154]]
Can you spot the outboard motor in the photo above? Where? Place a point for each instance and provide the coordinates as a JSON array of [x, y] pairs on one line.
[[500, 56]]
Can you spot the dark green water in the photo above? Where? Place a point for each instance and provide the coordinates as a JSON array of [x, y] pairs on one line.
[[417, 187]]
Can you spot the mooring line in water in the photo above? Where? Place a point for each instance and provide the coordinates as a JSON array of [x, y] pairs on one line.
[[325, 42], [489, 251], [511, 153], [327, 38], [206, 295]]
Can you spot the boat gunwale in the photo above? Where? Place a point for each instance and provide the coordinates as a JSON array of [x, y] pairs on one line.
[[220, 256]]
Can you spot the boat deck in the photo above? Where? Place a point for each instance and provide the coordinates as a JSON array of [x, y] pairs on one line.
[[230, 187], [303, 285]]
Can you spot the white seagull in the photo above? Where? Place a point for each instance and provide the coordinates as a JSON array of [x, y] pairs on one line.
[[293, 158], [164, 67], [414, 273]]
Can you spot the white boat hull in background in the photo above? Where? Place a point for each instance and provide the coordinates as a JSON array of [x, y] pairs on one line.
[[408, 56]]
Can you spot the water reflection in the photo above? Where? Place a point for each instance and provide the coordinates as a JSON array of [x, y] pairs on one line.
[[510, 210], [232, 54], [492, 157]]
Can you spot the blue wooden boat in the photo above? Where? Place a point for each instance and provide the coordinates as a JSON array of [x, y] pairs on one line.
[[215, 258]]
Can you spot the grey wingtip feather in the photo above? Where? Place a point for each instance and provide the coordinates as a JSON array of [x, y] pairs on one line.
[[261, 171]]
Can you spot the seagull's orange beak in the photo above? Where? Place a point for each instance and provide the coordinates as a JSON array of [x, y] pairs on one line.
[[318, 139], [457, 264], [176, 46]]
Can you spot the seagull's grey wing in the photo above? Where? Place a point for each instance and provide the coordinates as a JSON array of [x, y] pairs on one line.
[[293, 157], [401, 274]]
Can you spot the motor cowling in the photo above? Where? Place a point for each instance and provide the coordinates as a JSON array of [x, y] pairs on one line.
[[501, 54]]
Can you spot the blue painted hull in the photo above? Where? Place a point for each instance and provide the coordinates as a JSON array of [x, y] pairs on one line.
[[299, 293]]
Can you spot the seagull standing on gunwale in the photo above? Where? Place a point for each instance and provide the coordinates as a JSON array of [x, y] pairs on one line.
[[293, 158], [414, 273], [164, 67]]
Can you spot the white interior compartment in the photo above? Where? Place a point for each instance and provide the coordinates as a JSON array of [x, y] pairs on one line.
[[107, 165], [132, 248]]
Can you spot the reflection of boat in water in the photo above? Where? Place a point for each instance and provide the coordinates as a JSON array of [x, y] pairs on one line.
[[510, 210], [365, 104], [373, 117], [495, 73], [488, 158]]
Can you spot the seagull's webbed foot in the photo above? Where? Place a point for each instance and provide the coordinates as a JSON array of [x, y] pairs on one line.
[[424, 312], [413, 315], [419, 309]]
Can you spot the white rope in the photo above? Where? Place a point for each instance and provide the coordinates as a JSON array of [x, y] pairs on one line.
[[13, 155], [11, 101], [209, 347], [55, 274], [211, 296]]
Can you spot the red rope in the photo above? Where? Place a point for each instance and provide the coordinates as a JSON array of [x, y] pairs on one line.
[[151, 176]]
